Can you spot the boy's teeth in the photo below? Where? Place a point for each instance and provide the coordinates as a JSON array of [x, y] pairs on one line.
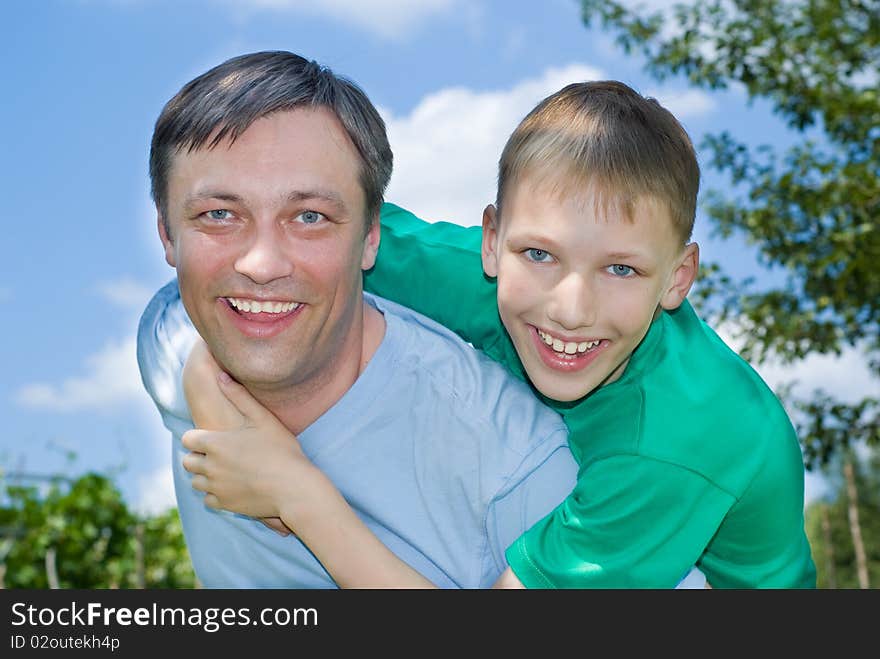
[[568, 347], [255, 306]]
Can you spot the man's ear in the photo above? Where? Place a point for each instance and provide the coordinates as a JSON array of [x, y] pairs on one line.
[[682, 278], [371, 243], [489, 249], [166, 241]]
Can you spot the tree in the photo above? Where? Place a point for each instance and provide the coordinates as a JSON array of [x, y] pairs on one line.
[[829, 529], [812, 211], [80, 534]]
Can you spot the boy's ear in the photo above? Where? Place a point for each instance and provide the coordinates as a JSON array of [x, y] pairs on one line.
[[371, 244], [682, 277], [170, 258], [490, 241]]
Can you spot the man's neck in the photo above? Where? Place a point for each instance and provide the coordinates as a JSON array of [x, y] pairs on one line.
[[298, 407]]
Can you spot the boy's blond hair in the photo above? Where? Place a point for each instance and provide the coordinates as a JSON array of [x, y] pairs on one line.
[[605, 137]]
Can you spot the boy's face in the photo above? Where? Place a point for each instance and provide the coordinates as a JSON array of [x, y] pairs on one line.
[[579, 283]]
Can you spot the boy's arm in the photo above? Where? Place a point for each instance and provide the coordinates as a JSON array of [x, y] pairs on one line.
[[436, 269], [258, 469], [209, 407], [508, 580], [636, 522]]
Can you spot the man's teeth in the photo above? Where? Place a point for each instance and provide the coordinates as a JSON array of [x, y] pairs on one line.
[[568, 347], [255, 306]]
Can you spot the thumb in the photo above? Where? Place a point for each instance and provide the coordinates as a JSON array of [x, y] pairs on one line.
[[241, 398]]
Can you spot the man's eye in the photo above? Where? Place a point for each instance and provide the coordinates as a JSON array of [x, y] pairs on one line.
[[309, 217], [620, 270], [219, 214], [538, 255]]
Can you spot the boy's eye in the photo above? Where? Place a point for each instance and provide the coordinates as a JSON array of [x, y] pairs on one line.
[[219, 214], [620, 270], [309, 217], [538, 255]]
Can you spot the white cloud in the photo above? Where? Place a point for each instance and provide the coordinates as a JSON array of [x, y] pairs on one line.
[[684, 104], [816, 487], [386, 18], [846, 376], [156, 490], [446, 151], [126, 293], [111, 377]]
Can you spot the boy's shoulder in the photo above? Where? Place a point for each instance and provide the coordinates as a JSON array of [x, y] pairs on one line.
[[706, 365], [690, 400], [728, 422]]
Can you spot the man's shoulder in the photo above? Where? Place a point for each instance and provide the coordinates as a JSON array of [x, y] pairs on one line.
[[164, 338], [472, 382]]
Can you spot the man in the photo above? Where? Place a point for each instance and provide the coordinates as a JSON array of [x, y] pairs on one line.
[[268, 172]]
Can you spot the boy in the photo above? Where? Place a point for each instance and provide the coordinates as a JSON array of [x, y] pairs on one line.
[[686, 456]]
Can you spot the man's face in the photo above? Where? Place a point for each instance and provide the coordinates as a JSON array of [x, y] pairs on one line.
[[268, 238], [577, 288]]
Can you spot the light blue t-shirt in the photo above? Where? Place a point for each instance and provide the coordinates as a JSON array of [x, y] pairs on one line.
[[443, 455]]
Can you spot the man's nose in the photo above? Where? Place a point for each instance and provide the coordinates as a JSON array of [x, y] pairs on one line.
[[573, 304], [263, 258]]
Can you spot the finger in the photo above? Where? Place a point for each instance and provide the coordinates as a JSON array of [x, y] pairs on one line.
[[212, 501], [241, 398], [199, 482], [196, 440], [276, 525], [194, 463]]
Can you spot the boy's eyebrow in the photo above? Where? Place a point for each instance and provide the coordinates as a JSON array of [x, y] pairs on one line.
[[541, 239], [624, 255]]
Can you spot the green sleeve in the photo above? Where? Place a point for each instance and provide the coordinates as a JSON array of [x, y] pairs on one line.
[[436, 269], [631, 522]]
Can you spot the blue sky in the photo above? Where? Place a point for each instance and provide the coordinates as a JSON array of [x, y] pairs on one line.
[[84, 83]]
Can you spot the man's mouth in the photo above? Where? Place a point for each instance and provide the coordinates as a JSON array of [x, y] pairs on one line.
[[262, 306], [261, 319]]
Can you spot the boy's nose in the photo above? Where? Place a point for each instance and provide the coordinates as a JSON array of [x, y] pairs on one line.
[[263, 258], [574, 303]]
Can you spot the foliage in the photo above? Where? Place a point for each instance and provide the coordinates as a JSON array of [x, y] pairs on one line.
[[96, 541], [811, 212], [838, 556]]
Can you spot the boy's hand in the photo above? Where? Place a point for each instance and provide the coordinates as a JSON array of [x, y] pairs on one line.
[[209, 407], [253, 470]]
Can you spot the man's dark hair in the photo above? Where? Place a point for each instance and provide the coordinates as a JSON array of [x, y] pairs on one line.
[[223, 102]]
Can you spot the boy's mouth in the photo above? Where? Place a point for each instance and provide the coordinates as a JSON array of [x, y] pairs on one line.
[[566, 354]]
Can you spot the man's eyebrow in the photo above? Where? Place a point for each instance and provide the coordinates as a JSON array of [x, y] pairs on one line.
[[329, 196], [211, 194]]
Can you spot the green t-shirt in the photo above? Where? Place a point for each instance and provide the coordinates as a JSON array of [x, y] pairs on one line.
[[687, 459]]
